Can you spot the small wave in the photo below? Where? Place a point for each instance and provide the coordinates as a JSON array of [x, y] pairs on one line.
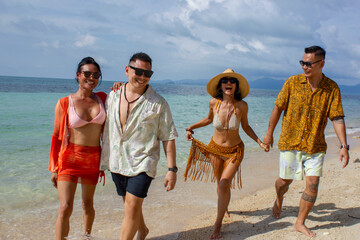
[[350, 130]]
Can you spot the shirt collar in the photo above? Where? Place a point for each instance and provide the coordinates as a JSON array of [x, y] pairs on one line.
[[322, 82], [303, 79]]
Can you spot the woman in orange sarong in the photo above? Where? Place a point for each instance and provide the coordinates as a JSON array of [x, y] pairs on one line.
[[220, 159], [75, 146]]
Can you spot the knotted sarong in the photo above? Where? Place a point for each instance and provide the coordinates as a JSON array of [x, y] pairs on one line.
[[79, 164], [206, 161]]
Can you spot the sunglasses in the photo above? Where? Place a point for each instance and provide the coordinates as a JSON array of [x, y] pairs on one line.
[[140, 72], [95, 75], [308, 64], [226, 80]]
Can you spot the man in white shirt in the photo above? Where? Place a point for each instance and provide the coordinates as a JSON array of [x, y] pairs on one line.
[[137, 120]]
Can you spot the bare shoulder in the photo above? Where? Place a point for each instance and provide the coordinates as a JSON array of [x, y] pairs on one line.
[[213, 102], [242, 105]]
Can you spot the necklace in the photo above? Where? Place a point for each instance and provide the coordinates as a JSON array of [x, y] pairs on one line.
[[130, 102]]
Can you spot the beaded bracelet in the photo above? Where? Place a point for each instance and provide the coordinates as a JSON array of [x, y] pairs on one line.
[[189, 130]]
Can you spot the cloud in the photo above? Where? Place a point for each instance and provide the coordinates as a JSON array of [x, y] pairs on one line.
[[237, 46], [257, 45], [85, 41], [44, 44], [260, 37]]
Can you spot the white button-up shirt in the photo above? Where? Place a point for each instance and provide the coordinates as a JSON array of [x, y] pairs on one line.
[[137, 149]]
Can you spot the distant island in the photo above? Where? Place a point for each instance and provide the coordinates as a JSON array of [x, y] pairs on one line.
[[38, 84], [262, 83]]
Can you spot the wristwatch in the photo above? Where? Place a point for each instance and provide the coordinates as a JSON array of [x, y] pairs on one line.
[[173, 169], [345, 146]]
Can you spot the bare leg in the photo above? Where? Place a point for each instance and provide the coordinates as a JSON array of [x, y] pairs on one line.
[[88, 207], [143, 231], [307, 201], [224, 197], [66, 191], [227, 215], [281, 187], [133, 219]]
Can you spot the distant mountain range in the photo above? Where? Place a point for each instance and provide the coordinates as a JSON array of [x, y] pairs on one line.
[[262, 83]]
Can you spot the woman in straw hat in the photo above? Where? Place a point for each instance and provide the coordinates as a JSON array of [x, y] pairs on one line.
[[225, 151]]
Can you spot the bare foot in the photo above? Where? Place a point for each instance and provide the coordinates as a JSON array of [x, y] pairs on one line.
[[86, 236], [214, 236], [216, 233], [304, 230], [227, 214], [276, 210], [141, 235]]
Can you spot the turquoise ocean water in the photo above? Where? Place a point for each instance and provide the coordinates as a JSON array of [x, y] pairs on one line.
[[26, 124]]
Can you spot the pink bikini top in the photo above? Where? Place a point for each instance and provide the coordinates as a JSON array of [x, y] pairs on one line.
[[75, 121]]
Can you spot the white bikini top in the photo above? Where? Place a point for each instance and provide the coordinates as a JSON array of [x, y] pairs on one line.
[[233, 122]]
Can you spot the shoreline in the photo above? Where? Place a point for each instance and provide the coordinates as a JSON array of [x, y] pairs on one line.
[[189, 211]]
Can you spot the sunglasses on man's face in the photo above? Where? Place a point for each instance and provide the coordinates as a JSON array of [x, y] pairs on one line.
[[140, 72], [226, 80], [95, 75], [308, 64]]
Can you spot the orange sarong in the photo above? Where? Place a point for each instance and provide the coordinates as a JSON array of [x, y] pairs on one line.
[[79, 162], [202, 157]]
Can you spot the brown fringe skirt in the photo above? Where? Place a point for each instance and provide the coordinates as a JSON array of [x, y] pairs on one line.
[[203, 157]]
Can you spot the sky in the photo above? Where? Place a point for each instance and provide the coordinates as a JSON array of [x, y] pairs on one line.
[[187, 39]]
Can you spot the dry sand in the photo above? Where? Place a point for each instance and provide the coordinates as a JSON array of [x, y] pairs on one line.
[[189, 211], [336, 214]]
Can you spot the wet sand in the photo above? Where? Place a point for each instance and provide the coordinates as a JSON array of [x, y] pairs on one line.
[[189, 211]]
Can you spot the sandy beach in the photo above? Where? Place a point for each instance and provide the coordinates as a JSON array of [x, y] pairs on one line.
[[336, 214], [189, 211]]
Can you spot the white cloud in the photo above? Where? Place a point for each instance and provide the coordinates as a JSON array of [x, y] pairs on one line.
[[85, 41], [189, 48], [237, 47], [188, 33], [44, 44], [258, 46]]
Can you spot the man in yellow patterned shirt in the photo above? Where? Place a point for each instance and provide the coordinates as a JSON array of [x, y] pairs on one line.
[[307, 100]]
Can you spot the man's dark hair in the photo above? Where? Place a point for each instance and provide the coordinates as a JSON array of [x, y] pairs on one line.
[[141, 56], [319, 51]]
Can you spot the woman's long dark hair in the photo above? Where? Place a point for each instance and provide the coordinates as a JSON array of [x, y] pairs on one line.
[[219, 92], [89, 60]]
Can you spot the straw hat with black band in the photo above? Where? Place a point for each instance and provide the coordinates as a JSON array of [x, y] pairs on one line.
[[244, 88]]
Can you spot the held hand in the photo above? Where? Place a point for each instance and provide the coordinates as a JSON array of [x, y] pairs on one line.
[[170, 180], [265, 147], [116, 86], [189, 136], [268, 140], [53, 178], [344, 157], [189, 133]]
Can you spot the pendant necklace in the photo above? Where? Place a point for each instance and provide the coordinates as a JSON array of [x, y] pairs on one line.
[[130, 102]]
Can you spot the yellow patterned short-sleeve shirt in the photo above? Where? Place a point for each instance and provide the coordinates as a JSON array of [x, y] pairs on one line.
[[306, 113]]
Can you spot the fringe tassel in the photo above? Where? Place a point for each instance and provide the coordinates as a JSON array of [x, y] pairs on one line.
[[203, 163]]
